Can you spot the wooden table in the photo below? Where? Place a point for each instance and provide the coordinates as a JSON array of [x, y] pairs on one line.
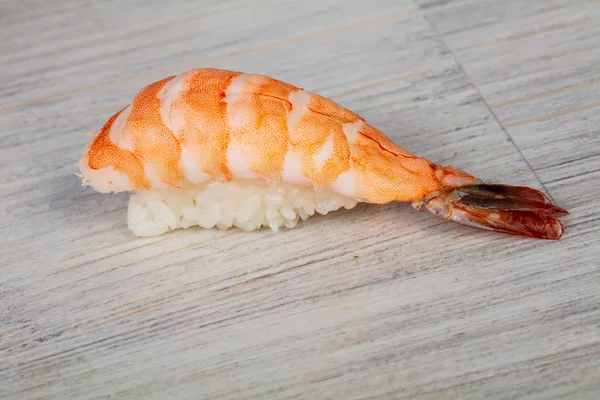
[[377, 302]]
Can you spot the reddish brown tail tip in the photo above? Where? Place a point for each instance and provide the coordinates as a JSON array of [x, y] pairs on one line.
[[514, 210]]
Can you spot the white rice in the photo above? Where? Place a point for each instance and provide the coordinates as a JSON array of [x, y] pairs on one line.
[[247, 204]]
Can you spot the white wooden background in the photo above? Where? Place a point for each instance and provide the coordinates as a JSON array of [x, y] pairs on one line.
[[377, 302]]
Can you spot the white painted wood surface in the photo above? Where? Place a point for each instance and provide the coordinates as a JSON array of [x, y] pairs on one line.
[[376, 302]]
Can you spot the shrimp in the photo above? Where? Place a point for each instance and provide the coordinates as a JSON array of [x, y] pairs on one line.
[[214, 147]]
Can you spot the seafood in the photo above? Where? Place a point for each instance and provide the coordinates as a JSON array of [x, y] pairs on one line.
[[214, 147]]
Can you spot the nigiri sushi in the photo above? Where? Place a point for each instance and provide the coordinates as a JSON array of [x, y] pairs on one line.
[[219, 148]]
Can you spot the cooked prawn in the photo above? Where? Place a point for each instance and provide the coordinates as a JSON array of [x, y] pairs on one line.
[[220, 126]]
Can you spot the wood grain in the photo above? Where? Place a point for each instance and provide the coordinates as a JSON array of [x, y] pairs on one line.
[[377, 302]]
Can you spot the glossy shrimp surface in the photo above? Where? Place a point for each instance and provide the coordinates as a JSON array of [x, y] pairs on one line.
[[215, 124], [219, 125]]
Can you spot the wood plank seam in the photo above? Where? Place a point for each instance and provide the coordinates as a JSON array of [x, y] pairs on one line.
[[487, 105]]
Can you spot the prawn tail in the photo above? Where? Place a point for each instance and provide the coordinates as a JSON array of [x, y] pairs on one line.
[[515, 210]]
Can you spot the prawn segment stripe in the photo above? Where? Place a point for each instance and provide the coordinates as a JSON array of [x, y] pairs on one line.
[[216, 124]]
